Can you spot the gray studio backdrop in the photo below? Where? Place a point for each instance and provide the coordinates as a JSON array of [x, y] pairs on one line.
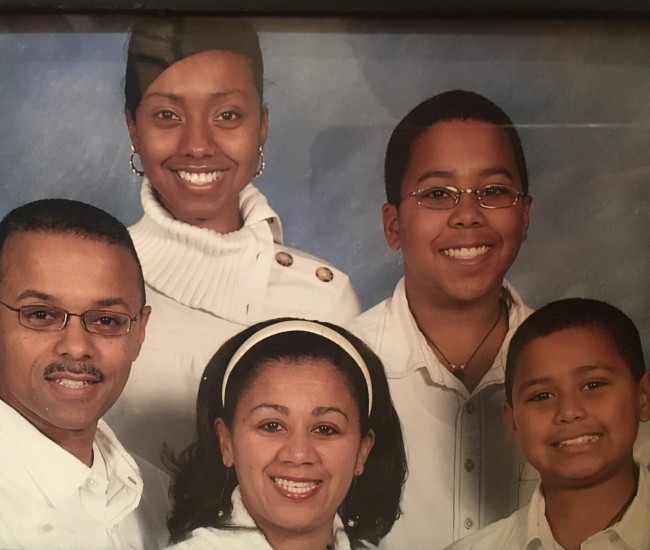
[[335, 88]]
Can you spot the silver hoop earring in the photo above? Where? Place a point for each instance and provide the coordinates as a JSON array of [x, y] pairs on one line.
[[262, 164], [134, 169]]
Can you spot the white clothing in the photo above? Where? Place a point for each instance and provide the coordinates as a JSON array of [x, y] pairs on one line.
[[246, 535], [204, 287], [51, 500], [465, 471], [528, 529]]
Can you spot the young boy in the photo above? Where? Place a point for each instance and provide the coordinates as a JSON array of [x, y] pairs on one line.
[[458, 210], [576, 389]]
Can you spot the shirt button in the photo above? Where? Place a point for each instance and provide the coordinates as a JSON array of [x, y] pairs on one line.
[[91, 482], [284, 259], [469, 407], [324, 274], [469, 464], [468, 523]]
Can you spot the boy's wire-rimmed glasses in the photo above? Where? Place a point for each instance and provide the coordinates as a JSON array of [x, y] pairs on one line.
[[51, 319], [444, 198]]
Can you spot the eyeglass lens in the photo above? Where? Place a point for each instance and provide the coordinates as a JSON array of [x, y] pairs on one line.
[[105, 323], [492, 196]]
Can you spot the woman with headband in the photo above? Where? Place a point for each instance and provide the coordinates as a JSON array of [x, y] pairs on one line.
[[210, 245], [297, 445]]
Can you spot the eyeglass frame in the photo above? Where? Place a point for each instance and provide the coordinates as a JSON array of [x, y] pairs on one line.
[[458, 193], [68, 314]]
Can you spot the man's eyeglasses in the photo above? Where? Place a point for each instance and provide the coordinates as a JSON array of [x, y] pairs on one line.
[[96, 321], [444, 198]]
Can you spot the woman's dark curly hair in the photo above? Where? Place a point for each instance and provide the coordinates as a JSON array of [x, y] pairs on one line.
[[203, 486]]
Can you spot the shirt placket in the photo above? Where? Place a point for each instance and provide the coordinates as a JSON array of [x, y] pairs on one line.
[[468, 468]]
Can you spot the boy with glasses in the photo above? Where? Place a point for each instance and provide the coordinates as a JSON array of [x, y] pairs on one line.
[[72, 321], [458, 209]]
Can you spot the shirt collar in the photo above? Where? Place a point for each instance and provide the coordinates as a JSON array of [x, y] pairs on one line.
[[420, 354], [633, 529], [59, 474], [241, 518], [539, 531], [253, 208]]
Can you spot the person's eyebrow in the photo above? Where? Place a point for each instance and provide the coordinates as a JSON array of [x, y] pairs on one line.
[[278, 408], [497, 171], [177, 98], [320, 411], [103, 302], [532, 382], [444, 174], [35, 294], [107, 302]]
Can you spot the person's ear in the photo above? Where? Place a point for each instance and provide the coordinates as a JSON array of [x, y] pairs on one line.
[[264, 126], [225, 442], [509, 419], [528, 202], [364, 450], [390, 220], [133, 128], [142, 326], [644, 397]]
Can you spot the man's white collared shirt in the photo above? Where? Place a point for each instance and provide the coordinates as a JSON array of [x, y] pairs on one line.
[[51, 500]]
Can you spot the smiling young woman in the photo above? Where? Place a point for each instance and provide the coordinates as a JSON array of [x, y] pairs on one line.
[[296, 432], [210, 244]]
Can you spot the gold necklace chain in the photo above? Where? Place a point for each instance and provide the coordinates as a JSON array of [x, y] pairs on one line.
[[457, 370]]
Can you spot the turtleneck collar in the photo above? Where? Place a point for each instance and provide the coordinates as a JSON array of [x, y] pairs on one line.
[[223, 274]]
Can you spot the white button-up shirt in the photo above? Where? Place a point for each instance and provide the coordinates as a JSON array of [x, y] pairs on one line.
[[464, 469], [51, 500], [528, 528]]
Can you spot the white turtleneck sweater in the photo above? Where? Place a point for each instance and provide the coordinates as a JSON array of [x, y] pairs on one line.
[[204, 287]]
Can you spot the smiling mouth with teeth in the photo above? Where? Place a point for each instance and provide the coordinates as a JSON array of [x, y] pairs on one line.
[[466, 253], [583, 439], [74, 384], [296, 487], [202, 178]]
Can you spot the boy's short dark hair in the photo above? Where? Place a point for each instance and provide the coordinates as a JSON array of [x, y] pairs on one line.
[[577, 313], [447, 106]]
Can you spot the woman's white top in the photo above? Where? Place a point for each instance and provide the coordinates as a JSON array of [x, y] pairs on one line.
[[204, 287], [245, 535]]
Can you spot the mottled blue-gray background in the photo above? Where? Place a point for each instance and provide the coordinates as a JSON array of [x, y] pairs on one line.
[[335, 88]]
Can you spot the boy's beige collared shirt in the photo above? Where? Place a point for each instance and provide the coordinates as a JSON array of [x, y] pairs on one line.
[[465, 471], [528, 529]]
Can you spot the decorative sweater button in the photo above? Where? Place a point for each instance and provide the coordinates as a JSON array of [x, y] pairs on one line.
[[469, 464], [284, 259], [324, 274], [468, 523]]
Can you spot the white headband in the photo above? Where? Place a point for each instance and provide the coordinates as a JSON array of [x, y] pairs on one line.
[[298, 326]]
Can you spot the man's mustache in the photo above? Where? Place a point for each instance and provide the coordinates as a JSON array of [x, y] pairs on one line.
[[74, 368]]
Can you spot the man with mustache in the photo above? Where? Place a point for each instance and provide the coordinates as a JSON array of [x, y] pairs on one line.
[[72, 320]]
